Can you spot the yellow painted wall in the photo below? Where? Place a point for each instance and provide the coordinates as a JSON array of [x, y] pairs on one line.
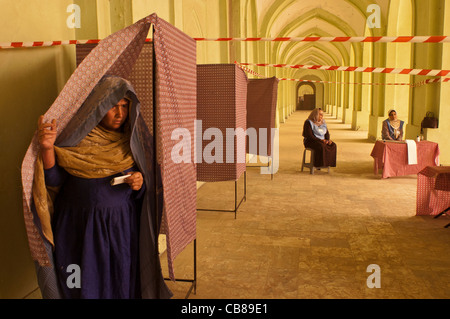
[[30, 80], [351, 91], [365, 115], [426, 56], [441, 135], [398, 55]]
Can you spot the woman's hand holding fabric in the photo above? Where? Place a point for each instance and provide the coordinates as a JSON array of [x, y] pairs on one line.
[[47, 136], [47, 133], [135, 180]]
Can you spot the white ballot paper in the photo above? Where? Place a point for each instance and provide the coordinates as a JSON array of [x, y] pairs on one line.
[[412, 152], [119, 180]]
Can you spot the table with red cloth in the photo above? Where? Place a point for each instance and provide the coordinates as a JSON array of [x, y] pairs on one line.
[[433, 190], [392, 157]]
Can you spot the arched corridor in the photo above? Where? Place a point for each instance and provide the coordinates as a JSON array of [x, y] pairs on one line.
[[313, 236]]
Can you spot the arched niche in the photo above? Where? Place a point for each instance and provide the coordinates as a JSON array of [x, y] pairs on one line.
[[306, 96], [318, 92]]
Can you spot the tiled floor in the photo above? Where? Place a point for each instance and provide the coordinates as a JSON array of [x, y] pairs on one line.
[[313, 236]]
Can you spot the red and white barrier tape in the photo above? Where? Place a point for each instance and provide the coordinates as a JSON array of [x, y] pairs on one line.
[[297, 80], [406, 84], [249, 70], [427, 72], [428, 81], [404, 39], [314, 81], [399, 39], [10, 45]]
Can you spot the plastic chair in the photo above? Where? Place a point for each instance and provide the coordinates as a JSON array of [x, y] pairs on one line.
[[310, 164]]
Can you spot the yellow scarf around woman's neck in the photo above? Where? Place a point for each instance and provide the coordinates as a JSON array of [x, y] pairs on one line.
[[100, 154]]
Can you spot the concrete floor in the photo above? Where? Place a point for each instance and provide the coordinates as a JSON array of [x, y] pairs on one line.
[[313, 236]]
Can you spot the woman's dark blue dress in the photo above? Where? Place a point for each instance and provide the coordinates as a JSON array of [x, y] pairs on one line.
[[95, 227]]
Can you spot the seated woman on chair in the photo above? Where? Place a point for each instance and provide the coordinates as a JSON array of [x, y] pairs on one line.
[[392, 127], [317, 137]]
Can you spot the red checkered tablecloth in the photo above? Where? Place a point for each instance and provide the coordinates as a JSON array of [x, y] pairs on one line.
[[392, 157], [433, 190]]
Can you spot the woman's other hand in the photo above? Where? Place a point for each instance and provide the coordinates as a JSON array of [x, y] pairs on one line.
[[47, 138], [46, 133], [135, 180]]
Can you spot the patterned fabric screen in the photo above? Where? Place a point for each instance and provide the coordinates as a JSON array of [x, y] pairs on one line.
[[176, 99], [221, 108], [261, 110], [116, 55], [124, 54]]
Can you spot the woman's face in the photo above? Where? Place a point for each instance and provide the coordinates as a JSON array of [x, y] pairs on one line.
[[116, 116], [320, 118], [393, 116]]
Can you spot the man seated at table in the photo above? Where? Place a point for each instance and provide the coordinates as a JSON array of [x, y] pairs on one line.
[[392, 127]]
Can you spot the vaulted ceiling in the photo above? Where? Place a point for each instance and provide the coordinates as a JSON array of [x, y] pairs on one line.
[[324, 18]]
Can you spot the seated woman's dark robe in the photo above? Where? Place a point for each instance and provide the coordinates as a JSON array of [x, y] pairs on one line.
[[324, 154]]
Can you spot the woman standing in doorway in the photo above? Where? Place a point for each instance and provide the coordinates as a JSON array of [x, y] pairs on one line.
[[95, 224]]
